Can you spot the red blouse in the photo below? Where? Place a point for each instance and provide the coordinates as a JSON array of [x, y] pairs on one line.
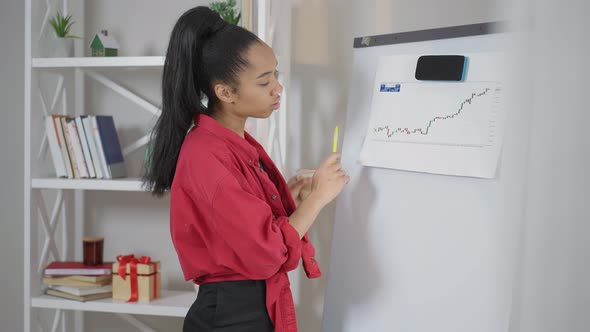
[[229, 217]]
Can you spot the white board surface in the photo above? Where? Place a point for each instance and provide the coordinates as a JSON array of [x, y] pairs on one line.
[[419, 252]]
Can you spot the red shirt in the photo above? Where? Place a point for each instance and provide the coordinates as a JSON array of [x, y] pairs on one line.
[[229, 217]]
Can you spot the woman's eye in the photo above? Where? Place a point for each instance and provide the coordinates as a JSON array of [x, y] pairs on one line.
[[276, 74]]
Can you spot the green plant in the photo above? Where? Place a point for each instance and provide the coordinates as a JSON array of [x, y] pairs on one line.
[[62, 25], [227, 9]]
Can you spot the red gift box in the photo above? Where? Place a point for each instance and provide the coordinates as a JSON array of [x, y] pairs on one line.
[[136, 279]]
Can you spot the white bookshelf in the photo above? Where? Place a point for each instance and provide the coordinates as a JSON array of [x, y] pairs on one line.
[[49, 208], [97, 62], [172, 303], [126, 184]]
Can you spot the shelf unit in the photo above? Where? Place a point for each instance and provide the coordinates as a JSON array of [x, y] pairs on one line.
[[68, 194], [172, 303], [89, 62], [127, 184]]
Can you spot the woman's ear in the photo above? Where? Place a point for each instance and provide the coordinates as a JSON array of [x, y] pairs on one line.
[[224, 93]]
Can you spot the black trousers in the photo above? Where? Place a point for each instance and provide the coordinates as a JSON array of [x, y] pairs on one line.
[[229, 306]]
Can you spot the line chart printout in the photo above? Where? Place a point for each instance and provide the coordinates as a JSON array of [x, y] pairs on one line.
[[451, 128]]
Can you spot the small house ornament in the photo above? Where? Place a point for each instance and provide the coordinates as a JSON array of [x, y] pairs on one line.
[[104, 45]]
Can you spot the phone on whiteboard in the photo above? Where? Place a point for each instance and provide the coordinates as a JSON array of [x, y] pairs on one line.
[[441, 68]]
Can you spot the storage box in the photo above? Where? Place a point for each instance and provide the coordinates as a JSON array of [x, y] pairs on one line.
[[142, 281]]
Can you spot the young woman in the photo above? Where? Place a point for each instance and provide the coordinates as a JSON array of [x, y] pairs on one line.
[[234, 221]]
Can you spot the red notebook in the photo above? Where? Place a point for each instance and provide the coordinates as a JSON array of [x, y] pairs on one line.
[[78, 268]]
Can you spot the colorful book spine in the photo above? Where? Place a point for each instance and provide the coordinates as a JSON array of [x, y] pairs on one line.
[[111, 146]]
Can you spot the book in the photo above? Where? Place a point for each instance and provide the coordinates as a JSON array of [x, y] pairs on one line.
[[54, 148], [86, 278], [77, 268], [83, 298], [92, 281], [111, 146], [83, 291], [70, 147], [85, 147], [63, 145], [87, 123], [77, 146], [99, 148]]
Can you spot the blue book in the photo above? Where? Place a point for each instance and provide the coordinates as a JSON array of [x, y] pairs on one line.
[[111, 147]]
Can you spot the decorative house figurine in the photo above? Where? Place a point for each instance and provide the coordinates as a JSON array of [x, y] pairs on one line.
[[104, 45]]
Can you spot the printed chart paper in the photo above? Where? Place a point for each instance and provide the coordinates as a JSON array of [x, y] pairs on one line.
[[451, 128]]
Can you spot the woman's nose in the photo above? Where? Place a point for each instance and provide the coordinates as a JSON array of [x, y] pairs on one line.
[[278, 89]]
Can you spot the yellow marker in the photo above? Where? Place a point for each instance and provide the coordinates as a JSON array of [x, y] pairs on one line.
[[335, 144]]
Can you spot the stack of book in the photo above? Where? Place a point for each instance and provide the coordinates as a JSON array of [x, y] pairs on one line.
[[85, 147], [76, 281]]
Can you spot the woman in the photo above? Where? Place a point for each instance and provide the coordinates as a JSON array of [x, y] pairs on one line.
[[234, 223]]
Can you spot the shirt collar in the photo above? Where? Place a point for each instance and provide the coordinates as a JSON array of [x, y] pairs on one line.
[[246, 147]]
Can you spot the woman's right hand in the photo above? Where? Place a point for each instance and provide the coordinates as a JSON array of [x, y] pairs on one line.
[[328, 180]]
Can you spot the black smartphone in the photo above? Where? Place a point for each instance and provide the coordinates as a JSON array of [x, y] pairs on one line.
[[441, 68]]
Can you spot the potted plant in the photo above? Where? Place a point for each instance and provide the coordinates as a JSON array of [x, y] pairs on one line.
[[228, 11], [63, 43]]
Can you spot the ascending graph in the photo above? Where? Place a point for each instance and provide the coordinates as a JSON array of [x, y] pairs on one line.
[[460, 114]]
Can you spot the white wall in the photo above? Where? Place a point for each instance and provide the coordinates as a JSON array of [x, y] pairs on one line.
[[12, 31], [555, 274], [553, 293]]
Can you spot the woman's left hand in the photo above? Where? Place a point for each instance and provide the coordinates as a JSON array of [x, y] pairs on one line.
[[300, 188]]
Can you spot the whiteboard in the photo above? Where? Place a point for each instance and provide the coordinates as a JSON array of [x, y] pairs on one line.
[[419, 252]]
